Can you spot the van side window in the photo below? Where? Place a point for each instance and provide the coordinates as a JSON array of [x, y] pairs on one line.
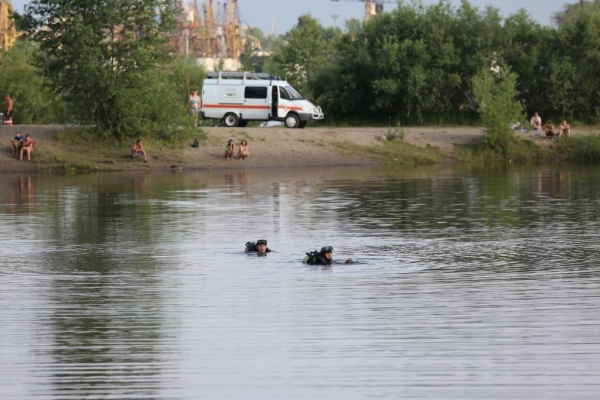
[[284, 94], [255, 92]]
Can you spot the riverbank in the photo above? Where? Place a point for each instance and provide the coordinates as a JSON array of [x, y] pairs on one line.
[[270, 147]]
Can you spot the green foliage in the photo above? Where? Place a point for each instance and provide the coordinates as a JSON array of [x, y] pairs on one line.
[[496, 95], [573, 11], [308, 47], [515, 151], [98, 53], [34, 102], [580, 149], [395, 133]]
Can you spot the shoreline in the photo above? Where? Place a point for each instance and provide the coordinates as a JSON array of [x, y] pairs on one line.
[[270, 147]]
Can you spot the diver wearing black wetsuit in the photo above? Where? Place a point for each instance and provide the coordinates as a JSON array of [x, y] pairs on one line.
[[259, 247], [323, 257]]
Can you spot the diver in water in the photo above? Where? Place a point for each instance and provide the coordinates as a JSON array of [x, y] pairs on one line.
[[323, 257], [259, 247]]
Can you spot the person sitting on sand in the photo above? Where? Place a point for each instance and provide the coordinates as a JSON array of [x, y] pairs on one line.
[[536, 122], [229, 149], [549, 129], [28, 146], [243, 153], [138, 150], [16, 143], [565, 129]]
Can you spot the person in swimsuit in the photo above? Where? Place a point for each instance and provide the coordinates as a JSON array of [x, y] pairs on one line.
[[243, 152], [8, 114], [565, 129], [138, 150], [194, 105], [27, 147], [229, 149]]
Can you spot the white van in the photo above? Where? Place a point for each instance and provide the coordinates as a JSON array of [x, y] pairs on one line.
[[234, 98]]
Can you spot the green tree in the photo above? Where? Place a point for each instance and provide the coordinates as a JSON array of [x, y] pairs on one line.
[[98, 53], [308, 46], [34, 102], [572, 11], [497, 97]]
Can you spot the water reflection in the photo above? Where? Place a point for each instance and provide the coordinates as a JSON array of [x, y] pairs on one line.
[[470, 283]]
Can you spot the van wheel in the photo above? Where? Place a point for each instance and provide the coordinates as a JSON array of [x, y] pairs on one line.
[[231, 120], [292, 121], [302, 124], [243, 123]]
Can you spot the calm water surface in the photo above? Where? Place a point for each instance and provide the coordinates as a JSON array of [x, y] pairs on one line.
[[470, 284]]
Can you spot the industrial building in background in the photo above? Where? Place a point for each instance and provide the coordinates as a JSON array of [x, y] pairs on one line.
[[211, 33], [373, 7], [8, 33]]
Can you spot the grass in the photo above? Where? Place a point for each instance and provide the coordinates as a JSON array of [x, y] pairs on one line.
[[394, 152], [518, 151], [579, 149]]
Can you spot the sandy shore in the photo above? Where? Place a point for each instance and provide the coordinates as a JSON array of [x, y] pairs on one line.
[[270, 147]]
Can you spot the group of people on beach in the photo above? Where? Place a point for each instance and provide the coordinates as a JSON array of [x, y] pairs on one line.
[[20, 144], [548, 127], [317, 257], [243, 151]]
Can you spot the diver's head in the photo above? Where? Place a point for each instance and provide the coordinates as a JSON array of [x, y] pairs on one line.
[[327, 252], [261, 246]]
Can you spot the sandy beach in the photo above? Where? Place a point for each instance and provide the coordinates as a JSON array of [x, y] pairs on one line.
[[270, 147]]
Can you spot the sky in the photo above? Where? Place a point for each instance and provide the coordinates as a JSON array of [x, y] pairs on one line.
[[283, 14]]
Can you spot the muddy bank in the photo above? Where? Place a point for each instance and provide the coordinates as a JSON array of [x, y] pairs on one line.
[[270, 147]]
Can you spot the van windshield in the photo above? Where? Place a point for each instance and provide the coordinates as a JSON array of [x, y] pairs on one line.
[[295, 95]]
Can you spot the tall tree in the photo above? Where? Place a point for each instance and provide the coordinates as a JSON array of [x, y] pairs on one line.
[[99, 50], [572, 11], [307, 48]]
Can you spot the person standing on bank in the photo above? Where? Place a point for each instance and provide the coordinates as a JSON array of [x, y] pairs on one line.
[[8, 114], [194, 102]]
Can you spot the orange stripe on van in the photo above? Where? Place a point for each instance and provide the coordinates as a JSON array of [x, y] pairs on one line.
[[236, 106], [291, 108]]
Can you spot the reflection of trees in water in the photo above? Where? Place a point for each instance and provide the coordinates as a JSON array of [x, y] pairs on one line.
[[107, 319], [480, 198]]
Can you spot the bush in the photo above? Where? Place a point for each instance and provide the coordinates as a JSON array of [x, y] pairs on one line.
[[496, 96], [579, 149]]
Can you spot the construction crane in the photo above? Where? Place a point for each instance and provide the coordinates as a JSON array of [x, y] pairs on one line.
[[8, 33], [373, 7]]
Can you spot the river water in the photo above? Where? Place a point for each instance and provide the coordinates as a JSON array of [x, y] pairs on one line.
[[470, 284]]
